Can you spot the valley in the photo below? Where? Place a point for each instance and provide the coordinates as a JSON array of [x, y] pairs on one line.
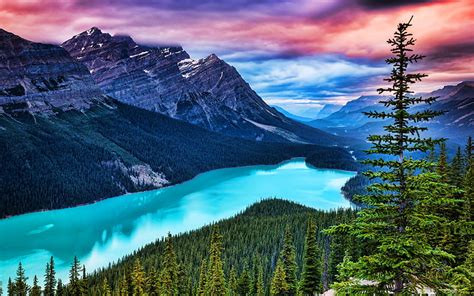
[[134, 220]]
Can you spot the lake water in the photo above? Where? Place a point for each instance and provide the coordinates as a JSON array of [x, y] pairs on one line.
[[105, 231]]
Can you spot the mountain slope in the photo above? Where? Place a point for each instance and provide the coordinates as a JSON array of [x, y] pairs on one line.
[[456, 124], [42, 75], [63, 142], [291, 115], [206, 92]]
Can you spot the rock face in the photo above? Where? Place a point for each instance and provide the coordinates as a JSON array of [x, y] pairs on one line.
[[43, 76], [206, 92]]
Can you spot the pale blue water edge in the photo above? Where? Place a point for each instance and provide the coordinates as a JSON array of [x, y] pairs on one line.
[[106, 231]]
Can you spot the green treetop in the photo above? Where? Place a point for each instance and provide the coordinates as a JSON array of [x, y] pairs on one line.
[[311, 277], [404, 216], [288, 257], [279, 285], [21, 287], [215, 284], [50, 278]]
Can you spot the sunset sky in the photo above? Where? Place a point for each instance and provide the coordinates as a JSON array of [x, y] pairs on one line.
[[299, 54]]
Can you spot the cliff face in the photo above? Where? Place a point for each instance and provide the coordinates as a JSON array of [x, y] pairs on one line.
[[206, 92], [42, 77]]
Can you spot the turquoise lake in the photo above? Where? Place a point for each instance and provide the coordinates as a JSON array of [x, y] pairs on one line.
[[107, 230]]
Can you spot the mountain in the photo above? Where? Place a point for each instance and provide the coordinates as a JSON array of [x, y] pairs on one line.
[[291, 115], [349, 115], [43, 76], [64, 143], [457, 123], [207, 92], [327, 110]]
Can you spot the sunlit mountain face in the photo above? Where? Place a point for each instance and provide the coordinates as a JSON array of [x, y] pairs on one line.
[[297, 54]]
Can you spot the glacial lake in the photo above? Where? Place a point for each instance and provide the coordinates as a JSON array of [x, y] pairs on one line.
[[107, 230]]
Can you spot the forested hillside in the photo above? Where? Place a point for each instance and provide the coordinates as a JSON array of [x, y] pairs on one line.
[[249, 247], [76, 157]]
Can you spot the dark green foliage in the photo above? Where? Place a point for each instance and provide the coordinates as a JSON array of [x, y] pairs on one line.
[[288, 258], [279, 285], [249, 239], [410, 207], [10, 288], [75, 158], [243, 283], [169, 272], [215, 284], [21, 288], [311, 277], [35, 289], [456, 169], [50, 278], [74, 287], [60, 290], [248, 242]]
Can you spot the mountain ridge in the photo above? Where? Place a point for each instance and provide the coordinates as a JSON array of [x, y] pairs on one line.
[[207, 92]]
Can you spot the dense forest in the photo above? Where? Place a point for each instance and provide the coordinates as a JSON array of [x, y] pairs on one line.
[[77, 157], [274, 247]]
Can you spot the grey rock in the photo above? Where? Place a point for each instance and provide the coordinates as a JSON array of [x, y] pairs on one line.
[[206, 92], [43, 77]]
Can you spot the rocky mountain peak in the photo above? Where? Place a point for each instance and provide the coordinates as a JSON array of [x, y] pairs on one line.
[[206, 92], [42, 76]]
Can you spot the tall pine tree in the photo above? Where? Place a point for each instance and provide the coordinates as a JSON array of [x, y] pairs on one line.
[[75, 287], [50, 278], [215, 284], [404, 215], [138, 279], [279, 285], [288, 257], [311, 277], [169, 272], [21, 287], [35, 289]]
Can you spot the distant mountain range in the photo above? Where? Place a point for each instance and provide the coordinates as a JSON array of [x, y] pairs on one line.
[[65, 141], [206, 92], [456, 124], [291, 115]]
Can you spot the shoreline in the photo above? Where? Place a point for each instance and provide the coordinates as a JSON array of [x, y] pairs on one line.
[[173, 184]]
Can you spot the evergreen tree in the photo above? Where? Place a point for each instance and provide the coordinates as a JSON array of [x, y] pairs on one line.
[[183, 280], [10, 288], [244, 284], [456, 170], [35, 289], [50, 278], [60, 291], [21, 287], [279, 286], [138, 279], [83, 282], [202, 279], [469, 151], [311, 277], [288, 257], [468, 203], [75, 287], [169, 273], [260, 290], [442, 169], [104, 288], [215, 284], [123, 286], [152, 282], [404, 213], [233, 282]]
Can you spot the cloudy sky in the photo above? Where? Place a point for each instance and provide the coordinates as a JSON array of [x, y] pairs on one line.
[[299, 54]]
